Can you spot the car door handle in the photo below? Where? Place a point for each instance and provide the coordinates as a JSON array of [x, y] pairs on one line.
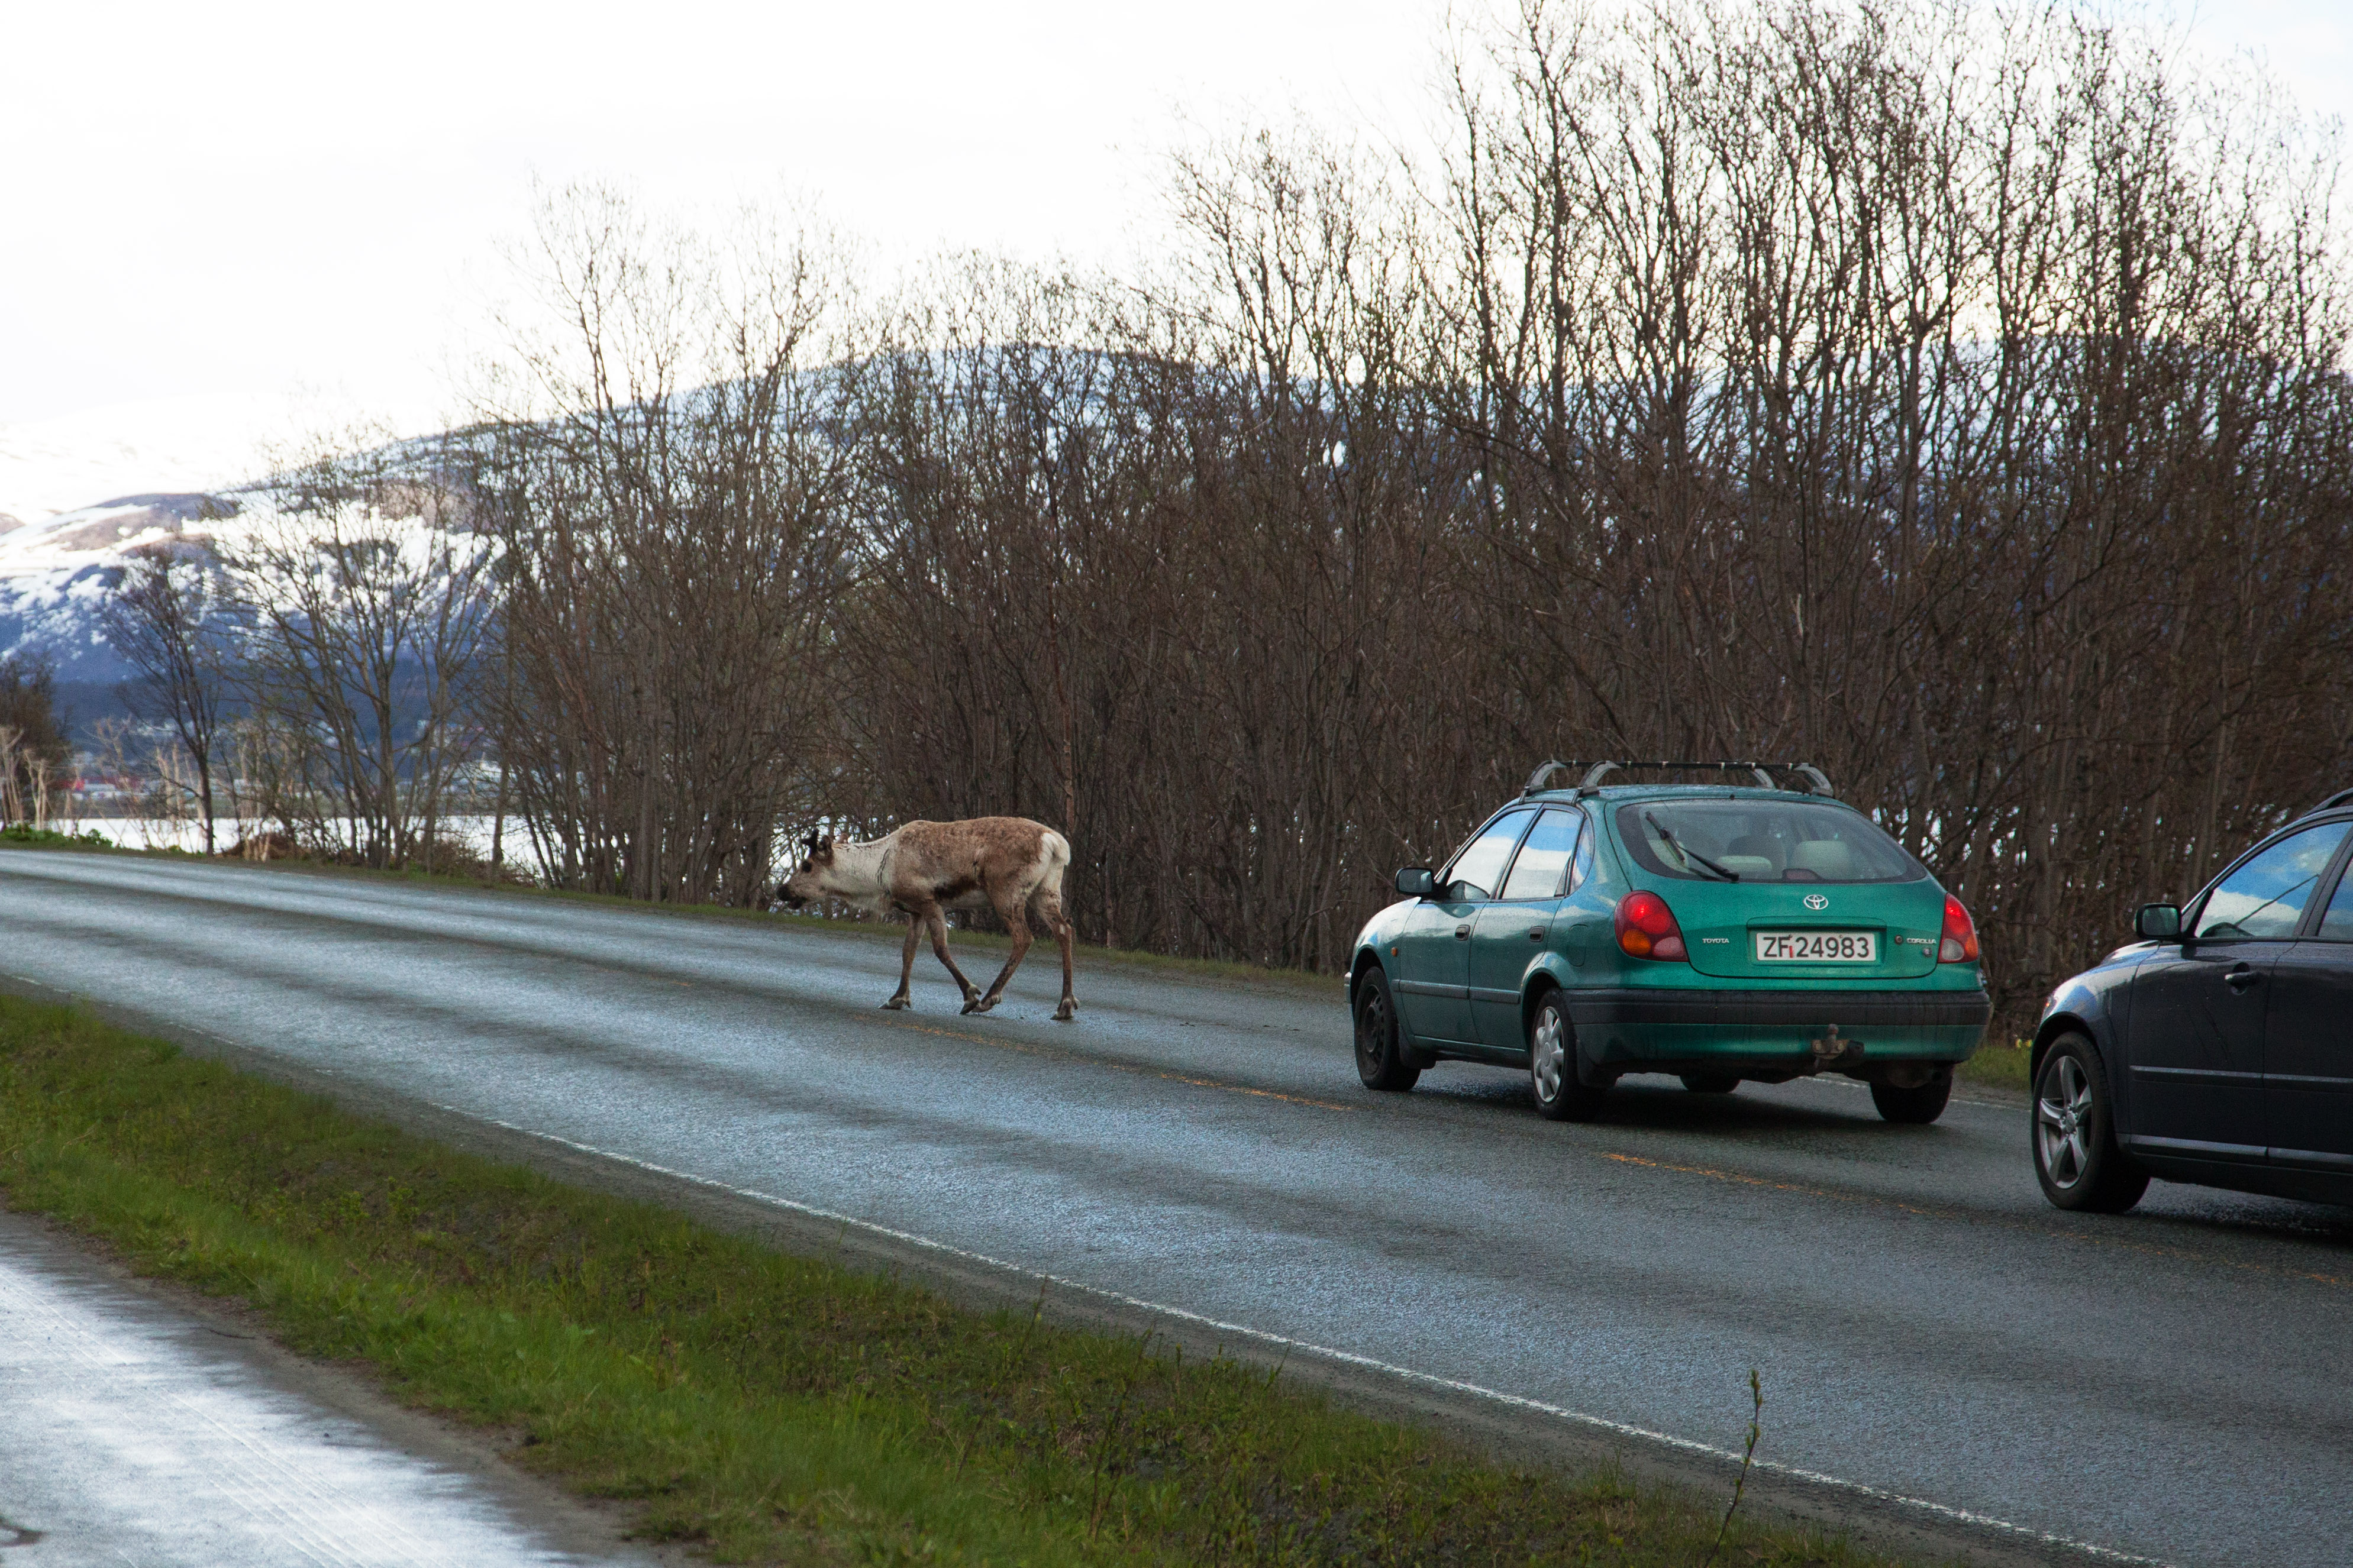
[[2239, 979], [1463, 933], [1535, 933]]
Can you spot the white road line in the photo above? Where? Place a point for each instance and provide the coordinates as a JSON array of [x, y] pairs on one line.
[[1348, 1358]]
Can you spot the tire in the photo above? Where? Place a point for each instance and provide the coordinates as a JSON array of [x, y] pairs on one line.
[[1914, 1107], [1711, 1082], [1382, 1057], [2073, 1133], [1561, 1094]]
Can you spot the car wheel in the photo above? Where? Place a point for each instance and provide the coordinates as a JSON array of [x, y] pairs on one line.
[[1914, 1107], [1561, 1095], [2076, 1157], [1710, 1082], [1381, 1059]]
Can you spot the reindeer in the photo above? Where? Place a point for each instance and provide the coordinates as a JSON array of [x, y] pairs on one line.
[[1009, 864]]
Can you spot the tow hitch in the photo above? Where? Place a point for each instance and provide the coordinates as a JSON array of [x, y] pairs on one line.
[[1832, 1053]]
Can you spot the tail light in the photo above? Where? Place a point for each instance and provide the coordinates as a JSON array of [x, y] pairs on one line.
[[1960, 941], [1647, 928]]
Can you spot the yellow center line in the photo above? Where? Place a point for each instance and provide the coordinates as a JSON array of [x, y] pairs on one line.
[[1059, 1054], [2148, 1248]]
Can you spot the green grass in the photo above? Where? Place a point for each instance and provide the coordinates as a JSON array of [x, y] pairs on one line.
[[1999, 1064], [768, 1408], [24, 836]]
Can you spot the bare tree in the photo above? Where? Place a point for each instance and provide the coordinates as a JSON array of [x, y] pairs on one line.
[[161, 618], [32, 735], [365, 598], [661, 468]]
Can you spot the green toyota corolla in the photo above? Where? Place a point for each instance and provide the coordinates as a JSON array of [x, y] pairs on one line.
[[1716, 933]]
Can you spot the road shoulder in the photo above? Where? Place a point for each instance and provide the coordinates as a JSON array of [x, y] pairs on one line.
[[150, 1422], [1506, 1429]]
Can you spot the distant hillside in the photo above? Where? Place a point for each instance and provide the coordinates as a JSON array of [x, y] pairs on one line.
[[80, 496]]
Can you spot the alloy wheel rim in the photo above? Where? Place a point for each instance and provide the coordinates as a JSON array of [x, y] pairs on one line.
[[1548, 1057], [2063, 1123]]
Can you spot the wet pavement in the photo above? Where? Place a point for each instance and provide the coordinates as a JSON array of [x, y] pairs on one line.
[[134, 1429], [2171, 1382]]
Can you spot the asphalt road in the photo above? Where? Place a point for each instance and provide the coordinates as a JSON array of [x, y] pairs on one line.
[[2177, 1382], [138, 1428]]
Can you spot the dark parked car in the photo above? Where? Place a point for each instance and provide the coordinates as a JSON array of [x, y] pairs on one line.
[[2219, 1048]]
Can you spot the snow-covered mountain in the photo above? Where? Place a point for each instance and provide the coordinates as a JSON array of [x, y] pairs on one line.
[[78, 495], [54, 574]]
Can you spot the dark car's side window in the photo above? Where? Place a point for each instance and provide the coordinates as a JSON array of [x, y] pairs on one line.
[[2265, 897], [1479, 869], [1540, 871], [2336, 920]]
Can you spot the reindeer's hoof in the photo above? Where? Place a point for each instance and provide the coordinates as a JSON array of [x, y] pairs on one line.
[[896, 1004], [980, 1005], [1066, 1012]]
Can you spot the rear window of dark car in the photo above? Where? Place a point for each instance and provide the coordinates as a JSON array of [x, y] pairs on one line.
[[1762, 841]]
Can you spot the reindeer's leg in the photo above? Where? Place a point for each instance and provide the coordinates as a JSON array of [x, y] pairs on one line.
[[907, 962], [939, 928], [1008, 910], [1049, 907]]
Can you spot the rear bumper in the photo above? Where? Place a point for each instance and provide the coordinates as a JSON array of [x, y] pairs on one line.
[[1635, 1027], [1851, 1011]]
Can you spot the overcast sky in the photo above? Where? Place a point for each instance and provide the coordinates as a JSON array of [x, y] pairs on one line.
[[250, 199]]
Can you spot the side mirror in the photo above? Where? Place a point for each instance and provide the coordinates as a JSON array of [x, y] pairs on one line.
[[2159, 922], [1416, 881]]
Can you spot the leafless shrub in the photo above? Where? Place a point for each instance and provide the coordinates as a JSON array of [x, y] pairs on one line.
[[33, 749], [365, 602], [161, 620], [1955, 400], [665, 481], [1959, 406]]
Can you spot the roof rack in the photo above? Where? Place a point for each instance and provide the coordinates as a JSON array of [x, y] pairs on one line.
[[1817, 781], [2339, 798]]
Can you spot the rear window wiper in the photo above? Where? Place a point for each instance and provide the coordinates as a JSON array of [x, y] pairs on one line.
[[1686, 853]]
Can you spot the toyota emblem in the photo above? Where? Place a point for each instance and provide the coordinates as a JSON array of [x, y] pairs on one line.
[[1817, 901]]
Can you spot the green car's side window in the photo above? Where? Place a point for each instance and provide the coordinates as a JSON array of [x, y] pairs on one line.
[[1547, 858], [1479, 869]]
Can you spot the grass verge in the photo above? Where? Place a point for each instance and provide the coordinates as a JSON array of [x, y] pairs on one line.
[[1999, 1064], [767, 1407], [24, 836]]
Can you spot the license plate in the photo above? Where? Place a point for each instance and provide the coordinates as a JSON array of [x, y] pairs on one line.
[[1817, 947]]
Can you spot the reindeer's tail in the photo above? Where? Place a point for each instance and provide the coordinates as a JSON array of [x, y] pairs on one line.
[[1054, 858]]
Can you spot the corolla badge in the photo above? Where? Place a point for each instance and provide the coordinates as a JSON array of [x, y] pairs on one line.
[[1817, 901]]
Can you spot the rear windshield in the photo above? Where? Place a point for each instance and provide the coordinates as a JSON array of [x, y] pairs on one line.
[[1762, 841]]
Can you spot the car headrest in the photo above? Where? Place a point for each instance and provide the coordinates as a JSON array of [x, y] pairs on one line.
[[1828, 858]]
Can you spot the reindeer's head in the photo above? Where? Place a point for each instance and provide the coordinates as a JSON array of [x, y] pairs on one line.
[[812, 878]]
